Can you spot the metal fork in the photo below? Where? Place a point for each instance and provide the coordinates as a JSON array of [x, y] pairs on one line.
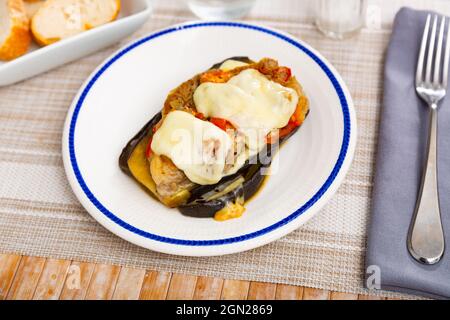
[[426, 237]]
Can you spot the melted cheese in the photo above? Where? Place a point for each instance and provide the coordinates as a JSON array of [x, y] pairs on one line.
[[251, 102], [231, 64], [196, 147]]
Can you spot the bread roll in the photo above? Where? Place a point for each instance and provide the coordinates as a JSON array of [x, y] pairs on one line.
[[60, 19], [15, 35], [32, 6]]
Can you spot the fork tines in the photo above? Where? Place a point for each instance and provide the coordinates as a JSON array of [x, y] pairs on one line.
[[431, 75]]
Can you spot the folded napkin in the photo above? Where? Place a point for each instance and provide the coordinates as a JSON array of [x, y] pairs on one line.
[[400, 158]]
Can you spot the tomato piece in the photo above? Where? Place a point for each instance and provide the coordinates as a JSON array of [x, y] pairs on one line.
[[283, 132], [287, 129], [148, 150], [297, 116], [216, 76], [200, 116], [283, 74], [221, 123]]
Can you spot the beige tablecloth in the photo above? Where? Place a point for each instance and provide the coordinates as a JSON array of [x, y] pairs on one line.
[[40, 216]]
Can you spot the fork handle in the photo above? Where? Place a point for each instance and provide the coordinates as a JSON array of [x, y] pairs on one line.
[[426, 237]]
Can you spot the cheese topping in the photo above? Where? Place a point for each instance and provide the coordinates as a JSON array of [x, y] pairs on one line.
[[196, 147], [251, 102], [231, 64]]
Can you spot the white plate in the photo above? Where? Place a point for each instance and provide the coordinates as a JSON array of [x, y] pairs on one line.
[[130, 87], [133, 14]]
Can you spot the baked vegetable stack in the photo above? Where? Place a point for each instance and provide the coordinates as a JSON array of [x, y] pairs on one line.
[[210, 147]]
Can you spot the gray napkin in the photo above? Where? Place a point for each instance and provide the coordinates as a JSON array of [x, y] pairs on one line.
[[401, 149]]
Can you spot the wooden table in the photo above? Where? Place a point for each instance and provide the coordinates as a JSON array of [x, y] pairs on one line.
[[24, 277]]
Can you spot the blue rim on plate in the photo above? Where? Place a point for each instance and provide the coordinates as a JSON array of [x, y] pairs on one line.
[[248, 236]]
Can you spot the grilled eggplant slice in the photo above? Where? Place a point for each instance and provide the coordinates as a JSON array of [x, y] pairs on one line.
[[223, 200]]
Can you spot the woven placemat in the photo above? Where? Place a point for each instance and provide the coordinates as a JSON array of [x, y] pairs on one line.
[[40, 216]]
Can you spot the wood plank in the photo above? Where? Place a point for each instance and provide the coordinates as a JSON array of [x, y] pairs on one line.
[[129, 284], [288, 292], [235, 290], [315, 294], [181, 287], [343, 296], [77, 281], [155, 286], [369, 297], [26, 279], [52, 280], [103, 282], [9, 263], [208, 288], [261, 291]]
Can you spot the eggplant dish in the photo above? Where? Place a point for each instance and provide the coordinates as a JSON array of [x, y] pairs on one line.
[[209, 148]]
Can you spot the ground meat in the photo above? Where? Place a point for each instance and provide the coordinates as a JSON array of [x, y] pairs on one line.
[[168, 178], [238, 139], [181, 98]]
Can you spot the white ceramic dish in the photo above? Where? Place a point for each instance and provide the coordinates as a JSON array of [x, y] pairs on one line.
[[132, 15], [130, 87]]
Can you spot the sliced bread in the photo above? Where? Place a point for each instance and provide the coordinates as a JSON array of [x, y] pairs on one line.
[[32, 6], [15, 35], [60, 19]]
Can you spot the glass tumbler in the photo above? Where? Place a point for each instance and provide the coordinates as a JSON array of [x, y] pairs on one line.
[[340, 19], [220, 9]]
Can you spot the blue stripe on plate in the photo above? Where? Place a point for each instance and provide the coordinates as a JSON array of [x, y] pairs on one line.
[[294, 215]]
